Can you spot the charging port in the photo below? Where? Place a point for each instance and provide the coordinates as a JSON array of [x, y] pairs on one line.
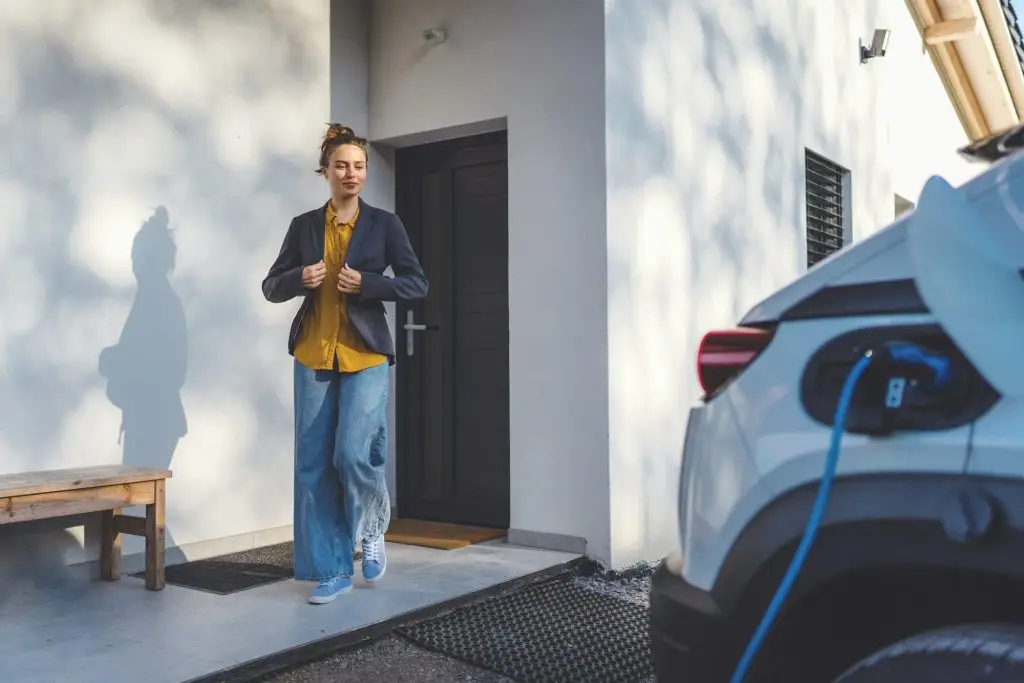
[[894, 394], [925, 384]]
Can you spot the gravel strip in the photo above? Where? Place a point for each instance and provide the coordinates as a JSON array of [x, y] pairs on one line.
[[388, 659], [632, 584]]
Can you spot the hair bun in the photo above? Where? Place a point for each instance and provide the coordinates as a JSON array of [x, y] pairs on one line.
[[337, 130]]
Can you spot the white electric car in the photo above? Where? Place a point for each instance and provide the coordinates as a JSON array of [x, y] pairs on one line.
[[916, 572]]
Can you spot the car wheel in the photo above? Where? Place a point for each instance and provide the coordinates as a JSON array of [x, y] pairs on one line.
[[989, 653]]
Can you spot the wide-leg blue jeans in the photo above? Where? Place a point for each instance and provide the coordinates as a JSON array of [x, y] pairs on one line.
[[341, 494]]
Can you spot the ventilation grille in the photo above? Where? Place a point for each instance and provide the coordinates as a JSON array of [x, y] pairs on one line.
[[825, 213]]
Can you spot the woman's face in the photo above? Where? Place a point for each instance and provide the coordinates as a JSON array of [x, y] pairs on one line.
[[346, 171]]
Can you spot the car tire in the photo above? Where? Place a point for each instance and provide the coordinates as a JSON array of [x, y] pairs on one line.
[[984, 653]]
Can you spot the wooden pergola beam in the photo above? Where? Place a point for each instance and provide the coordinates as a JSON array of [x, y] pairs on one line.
[[950, 31]]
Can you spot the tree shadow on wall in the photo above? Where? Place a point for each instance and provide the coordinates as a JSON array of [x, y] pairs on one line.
[[146, 369]]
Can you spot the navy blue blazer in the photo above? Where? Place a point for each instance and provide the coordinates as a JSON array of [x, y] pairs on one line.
[[379, 241]]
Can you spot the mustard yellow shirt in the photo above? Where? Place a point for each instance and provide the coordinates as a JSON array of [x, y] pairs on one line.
[[327, 334]]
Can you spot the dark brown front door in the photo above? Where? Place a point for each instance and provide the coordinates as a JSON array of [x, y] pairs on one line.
[[453, 362]]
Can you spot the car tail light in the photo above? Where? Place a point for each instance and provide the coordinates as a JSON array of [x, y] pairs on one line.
[[724, 354]]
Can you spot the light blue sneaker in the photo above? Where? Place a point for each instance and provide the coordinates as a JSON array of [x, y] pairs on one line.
[[375, 559], [328, 589]]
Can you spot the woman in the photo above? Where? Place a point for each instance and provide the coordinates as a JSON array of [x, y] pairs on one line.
[[334, 257]]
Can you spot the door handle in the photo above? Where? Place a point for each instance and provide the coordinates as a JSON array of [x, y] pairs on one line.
[[411, 326]]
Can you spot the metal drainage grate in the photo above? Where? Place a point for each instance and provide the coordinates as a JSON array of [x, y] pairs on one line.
[[552, 632]]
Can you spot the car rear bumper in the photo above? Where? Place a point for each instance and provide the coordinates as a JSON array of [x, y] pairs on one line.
[[689, 641]]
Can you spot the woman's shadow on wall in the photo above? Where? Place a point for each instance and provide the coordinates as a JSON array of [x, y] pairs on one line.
[[145, 370]]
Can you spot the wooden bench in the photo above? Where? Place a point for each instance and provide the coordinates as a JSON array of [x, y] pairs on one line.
[[104, 490]]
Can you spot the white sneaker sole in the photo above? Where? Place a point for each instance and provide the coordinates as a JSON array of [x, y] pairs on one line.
[[317, 600]]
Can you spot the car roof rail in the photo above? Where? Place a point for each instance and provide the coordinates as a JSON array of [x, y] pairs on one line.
[[997, 146]]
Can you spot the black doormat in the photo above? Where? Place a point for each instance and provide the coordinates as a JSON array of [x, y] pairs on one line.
[[553, 632], [235, 572]]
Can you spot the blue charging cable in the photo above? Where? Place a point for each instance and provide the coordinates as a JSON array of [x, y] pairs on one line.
[[905, 353], [813, 522]]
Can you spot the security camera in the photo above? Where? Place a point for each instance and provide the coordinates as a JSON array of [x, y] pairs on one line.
[[879, 44], [435, 36]]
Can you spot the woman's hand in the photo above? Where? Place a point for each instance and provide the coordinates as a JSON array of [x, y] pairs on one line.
[[349, 281], [313, 276]]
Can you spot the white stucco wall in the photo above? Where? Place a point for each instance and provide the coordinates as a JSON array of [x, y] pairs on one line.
[[710, 106], [109, 110], [537, 64], [656, 186]]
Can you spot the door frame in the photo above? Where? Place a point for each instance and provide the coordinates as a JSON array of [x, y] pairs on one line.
[[408, 160]]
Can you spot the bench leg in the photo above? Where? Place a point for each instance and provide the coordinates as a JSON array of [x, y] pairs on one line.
[[110, 546], [155, 540]]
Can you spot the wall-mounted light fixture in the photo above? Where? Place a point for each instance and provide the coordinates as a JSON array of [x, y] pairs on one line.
[[879, 44], [435, 36]]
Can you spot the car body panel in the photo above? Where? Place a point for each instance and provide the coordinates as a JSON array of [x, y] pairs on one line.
[[755, 442], [997, 444], [753, 457], [721, 490], [967, 271]]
